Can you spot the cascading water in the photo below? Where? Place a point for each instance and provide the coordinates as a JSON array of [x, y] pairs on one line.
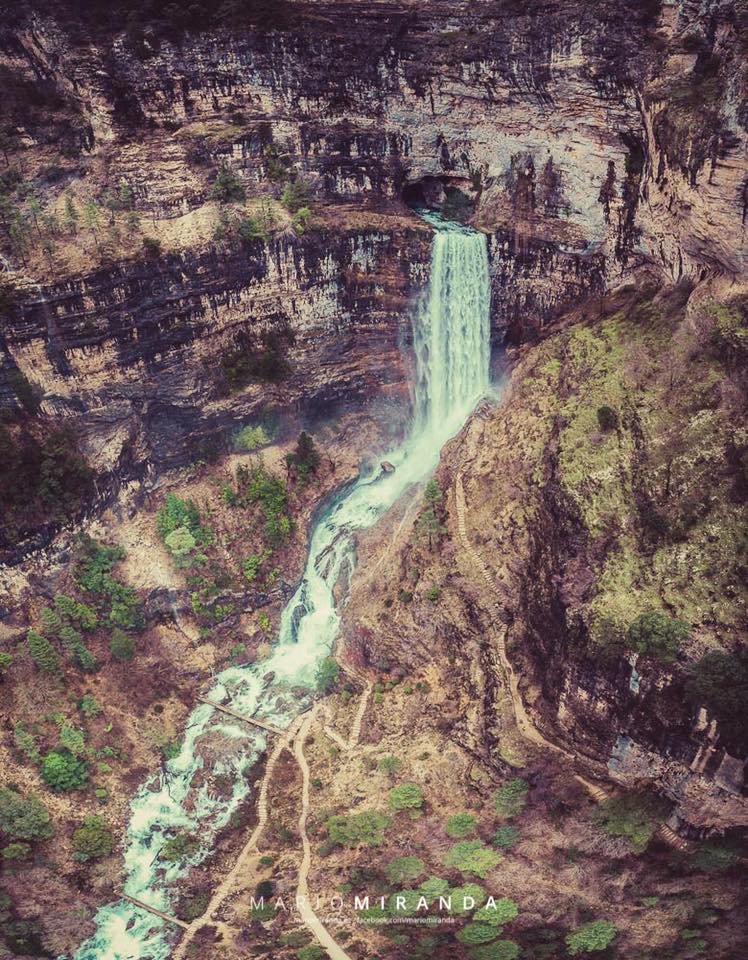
[[451, 341]]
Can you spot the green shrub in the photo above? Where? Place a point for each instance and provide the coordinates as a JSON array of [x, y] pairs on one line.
[[227, 187], [43, 479], [429, 527], [6, 661], [433, 593], [16, 851], [607, 418], [63, 771], [499, 913], [98, 562], [633, 816], [312, 952], [433, 888], [328, 673], [122, 645], [251, 438], [25, 742], [714, 857], [263, 913], [365, 828], [406, 796], [179, 847], [657, 635], [475, 933], [591, 937], [295, 195], [501, 950], [72, 739], [462, 895], [506, 837], [471, 856], [461, 825], [251, 567], [94, 575], [305, 458], [511, 797], [42, 652], [175, 513], [301, 221], [92, 840], [269, 491], [433, 493], [249, 228], [89, 706], [181, 543], [403, 869], [72, 641], [390, 765], [23, 818], [195, 906], [73, 612]]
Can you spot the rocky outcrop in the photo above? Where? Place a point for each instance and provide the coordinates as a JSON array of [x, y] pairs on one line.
[[586, 526], [586, 141], [142, 349]]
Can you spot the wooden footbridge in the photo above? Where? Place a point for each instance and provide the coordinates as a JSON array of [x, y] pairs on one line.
[[240, 716], [157, 913], [237, 716]]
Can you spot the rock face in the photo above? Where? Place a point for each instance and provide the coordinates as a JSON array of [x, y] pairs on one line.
[[598, 491], [590, 141], [138, 348], [585, 140]]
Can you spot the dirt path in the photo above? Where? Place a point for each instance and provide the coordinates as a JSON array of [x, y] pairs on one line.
[[249, 851], [525, 726], [310, 918]]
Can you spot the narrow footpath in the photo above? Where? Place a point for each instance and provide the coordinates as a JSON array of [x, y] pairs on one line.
[[310, 918], [249, 851], [293, 740], [525, 726]]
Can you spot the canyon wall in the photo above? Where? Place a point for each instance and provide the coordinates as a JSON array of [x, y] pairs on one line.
[[586, 140]]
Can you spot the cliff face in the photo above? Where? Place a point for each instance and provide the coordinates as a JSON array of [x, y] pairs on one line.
[[168, 289], [585, 140], [138, 347], [607, 486]]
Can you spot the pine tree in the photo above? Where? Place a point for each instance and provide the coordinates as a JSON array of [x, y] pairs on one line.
[[42, 652]]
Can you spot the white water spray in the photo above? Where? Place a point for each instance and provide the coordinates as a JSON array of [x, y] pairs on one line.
[[451, 341]]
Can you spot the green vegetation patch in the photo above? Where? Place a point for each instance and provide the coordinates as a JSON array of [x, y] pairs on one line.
[[366, 828], [511, 797], [591, 937], [471, 856]]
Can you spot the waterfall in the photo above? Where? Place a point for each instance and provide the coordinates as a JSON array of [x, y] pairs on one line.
[[451, 346], [451, 338]]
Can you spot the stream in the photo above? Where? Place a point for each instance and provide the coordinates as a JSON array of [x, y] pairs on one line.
[[452, 354]]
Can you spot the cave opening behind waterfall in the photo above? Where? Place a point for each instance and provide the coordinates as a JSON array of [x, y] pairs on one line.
[[453, 198]]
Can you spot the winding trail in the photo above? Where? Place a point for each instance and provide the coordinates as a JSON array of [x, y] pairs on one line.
[[310, 918], [293, 739], [525, 726], [226, 887]]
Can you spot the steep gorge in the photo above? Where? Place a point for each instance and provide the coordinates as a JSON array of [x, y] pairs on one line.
[[600, 148]]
